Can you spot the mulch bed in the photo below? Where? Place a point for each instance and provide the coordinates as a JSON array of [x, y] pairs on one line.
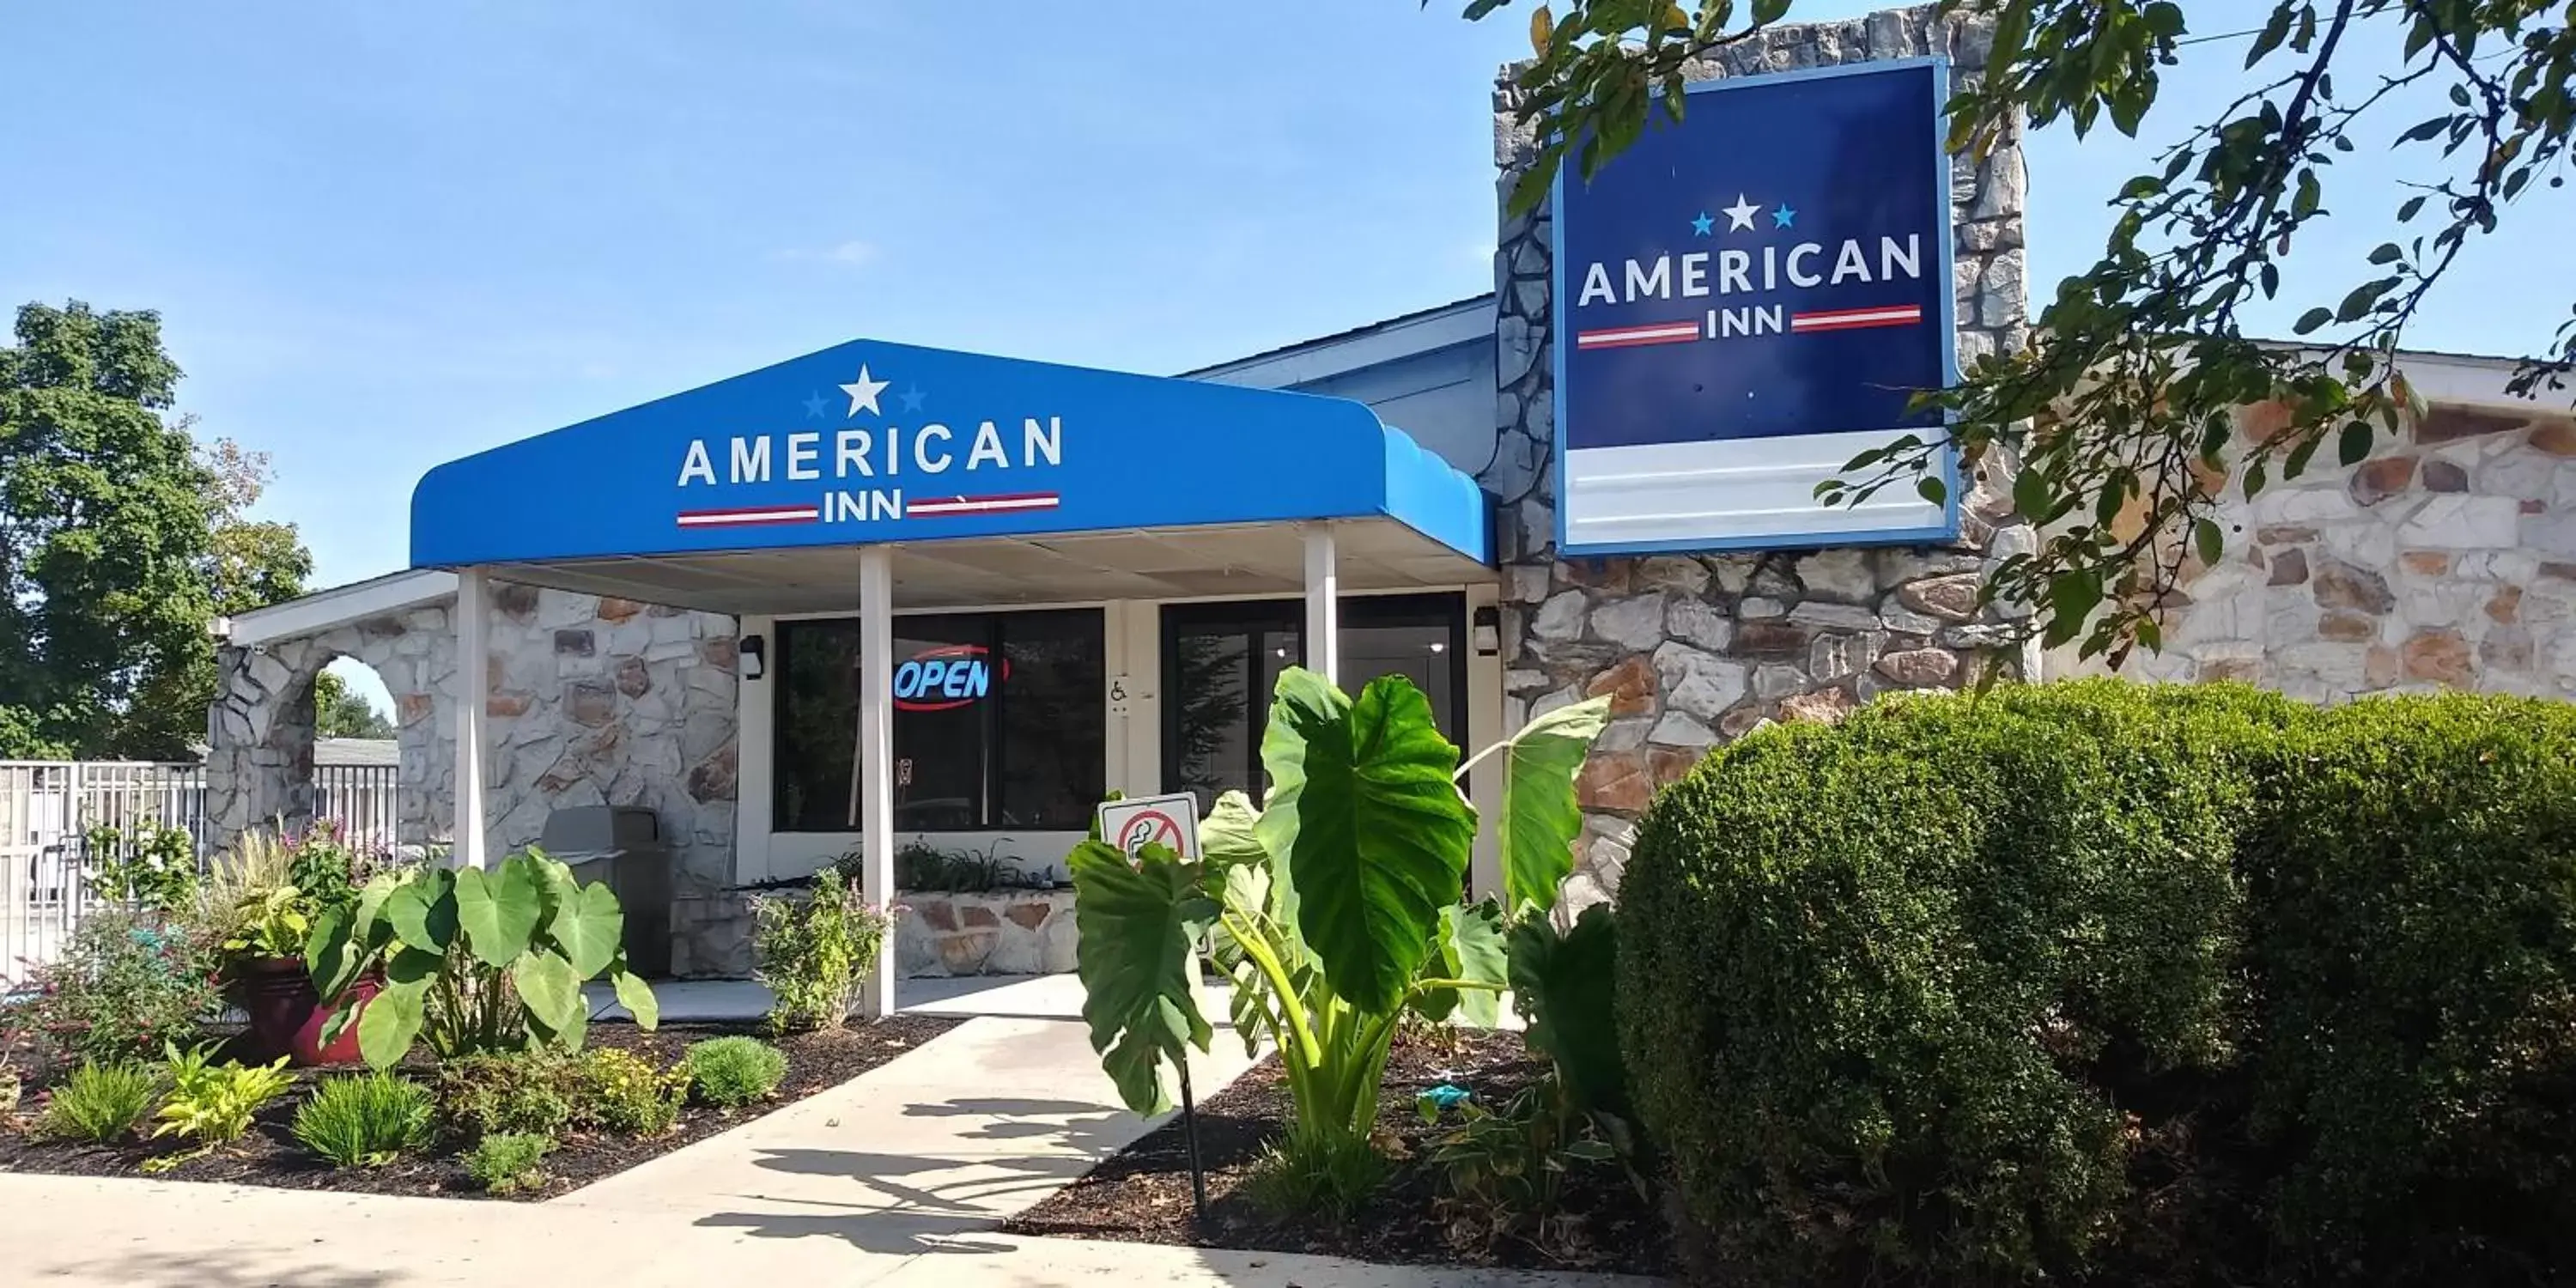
[[270, 1155], [1142, 1194]]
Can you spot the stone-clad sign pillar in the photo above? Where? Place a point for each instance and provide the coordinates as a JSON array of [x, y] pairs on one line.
[[1695, 649]]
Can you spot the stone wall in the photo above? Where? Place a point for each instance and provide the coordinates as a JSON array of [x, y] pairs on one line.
[[1698, 649], [1004, 932], [592, 701], [2447, 561]]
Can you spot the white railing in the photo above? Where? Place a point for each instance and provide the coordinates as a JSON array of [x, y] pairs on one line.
[[49, 809]]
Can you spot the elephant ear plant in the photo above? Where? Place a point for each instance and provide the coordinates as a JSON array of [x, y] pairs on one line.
[[1335, 911], [474, 960]]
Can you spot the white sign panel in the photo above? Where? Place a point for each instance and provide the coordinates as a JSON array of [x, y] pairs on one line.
[[1138, 821]]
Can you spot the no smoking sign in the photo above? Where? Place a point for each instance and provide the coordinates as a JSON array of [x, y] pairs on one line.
[[1170, 821]]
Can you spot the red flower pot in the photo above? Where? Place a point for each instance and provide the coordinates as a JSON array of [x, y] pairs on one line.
[[287, 1015]]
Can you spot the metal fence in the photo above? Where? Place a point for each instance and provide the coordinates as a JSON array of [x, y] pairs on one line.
[[49, 809]]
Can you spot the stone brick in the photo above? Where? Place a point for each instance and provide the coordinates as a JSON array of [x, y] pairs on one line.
[[613, 609], [1696, 622], [1028, 916], [574, 644], [1954, 597], [1679, 729], [589, 702], [1741, 721], [411, 707], [2440, 655], [2450, 424], [940, 913], [1560, 618], [1919, 667], [2380, 667], [1674, 572], [2506, 650], [2444, 476], [717, 651], [1840, 617], [507, 706], [1824, 706], [2560, 571], [2347, 628], [2289, 568], [633, 679], [1771, 639], [1611, 575], [513, 600], [975, 916], [2378, 480], [1622, 781], [2556, 437], [1670, 765], [2341, 585], [2283, 534], [2241, 670], [713, 779], [2506, 607], [1841, 575], [1630, 686], [2425, 563], [1636, 623]]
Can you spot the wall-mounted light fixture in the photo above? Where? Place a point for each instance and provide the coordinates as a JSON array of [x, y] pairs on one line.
[[751, 657], [1488, 633]]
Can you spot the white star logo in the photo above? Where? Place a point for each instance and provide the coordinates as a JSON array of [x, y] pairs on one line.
[[863, 393], [1740, 215]]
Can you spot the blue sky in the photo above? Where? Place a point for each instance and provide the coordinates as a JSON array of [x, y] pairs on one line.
[[383, 236]]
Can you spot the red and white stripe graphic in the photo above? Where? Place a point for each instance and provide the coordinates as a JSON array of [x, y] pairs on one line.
[[929, 507], [1626, 337], [1855, 319], [751, 516]]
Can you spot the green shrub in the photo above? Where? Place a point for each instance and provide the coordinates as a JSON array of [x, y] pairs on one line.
[[1316, 1173], [365, 1120], [212, 1102], [814, 953], [123, 987], [2115, 980], [509, 1162], [99, 1103], [517, 1092], [731, 1072], [623, 1092]]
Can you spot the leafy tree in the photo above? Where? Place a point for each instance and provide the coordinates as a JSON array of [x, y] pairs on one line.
[[338, 713], [2116, 423], [120, 539]]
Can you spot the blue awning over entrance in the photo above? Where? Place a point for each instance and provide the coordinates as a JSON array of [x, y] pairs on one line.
[[870, 442]]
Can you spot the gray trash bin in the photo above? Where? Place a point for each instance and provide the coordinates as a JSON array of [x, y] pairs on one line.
[[622, 846]]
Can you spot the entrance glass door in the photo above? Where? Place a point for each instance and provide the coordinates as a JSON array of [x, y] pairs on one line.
[[1221, 661]]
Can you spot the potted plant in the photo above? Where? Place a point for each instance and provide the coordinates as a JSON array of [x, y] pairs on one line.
[[274, 891]]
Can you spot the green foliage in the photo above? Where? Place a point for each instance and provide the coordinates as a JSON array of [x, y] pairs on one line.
[[474, 960], [1502, 1173], [212, 1103], [2102, 979], [120, 539], [1541, 816], [152, 869], [1565, 986], [365, 1120], [622, 1092], [919, 865], [338, 713], [732, 1072], [121, 988], [99, 1103], [815, 953], [509, 1162], [508, 1092], [1316, 1172]]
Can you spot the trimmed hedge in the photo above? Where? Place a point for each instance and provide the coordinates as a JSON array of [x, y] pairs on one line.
[[2138, 982]]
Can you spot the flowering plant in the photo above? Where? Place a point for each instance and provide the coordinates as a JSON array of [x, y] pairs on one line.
[[122, 988]]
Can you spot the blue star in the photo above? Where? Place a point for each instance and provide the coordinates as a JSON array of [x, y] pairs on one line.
[[813, 406], [911, 399], [1700, 227], [1784, 216]]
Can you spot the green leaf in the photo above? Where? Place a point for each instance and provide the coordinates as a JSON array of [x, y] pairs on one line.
[[1471, 948], [2408, 211], [637, 997], [1227, 836], [2353, 444], [1933, 490], [499, 910], [389, 1024], [2387, 253], [2209, 542], [2311, 320], [550, 987], [1375, 833], [589, 929], [329, 956], [1541, 817], [1138, 923], [422, 910], [1568, 987]]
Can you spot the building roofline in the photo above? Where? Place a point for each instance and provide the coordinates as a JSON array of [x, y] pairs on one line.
[[1392, 339]]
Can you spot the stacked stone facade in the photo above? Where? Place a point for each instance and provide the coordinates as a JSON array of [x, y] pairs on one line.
[[1694, 650], [592, 701]]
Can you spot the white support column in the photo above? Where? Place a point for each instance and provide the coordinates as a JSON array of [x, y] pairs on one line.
[[473, 684], [876, 757], [1323, 604]]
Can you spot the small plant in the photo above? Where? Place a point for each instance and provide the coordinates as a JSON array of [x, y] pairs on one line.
[[732, 1072], [509, 1162], [99, 1103], [212, 1103], [151, 869], [815, 953], [123, 987], [622, 1092], [270, 925], [508, 1093], [1502, 1174], [1316, 1173], [919, 865], [365, 1120]]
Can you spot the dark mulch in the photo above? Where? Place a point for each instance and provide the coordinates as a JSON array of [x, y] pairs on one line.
[[1142, 1194], [269, 1155]]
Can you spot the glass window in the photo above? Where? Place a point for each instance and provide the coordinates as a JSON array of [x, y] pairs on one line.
[[998, 722]]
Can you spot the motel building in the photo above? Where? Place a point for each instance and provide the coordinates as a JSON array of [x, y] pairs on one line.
[[882, 596]]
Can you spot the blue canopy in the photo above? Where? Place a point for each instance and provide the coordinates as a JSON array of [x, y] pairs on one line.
[[870, 442]]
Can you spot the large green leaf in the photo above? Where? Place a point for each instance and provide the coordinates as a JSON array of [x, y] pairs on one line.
[[588, 928], [330, 958], [1541, 817], [499, 910], [390, 1022], [1568, 987], [422, 910], [637, 997], [548, 984], [1375, 834], [1138, 925], [1227, 836], [1470, 948]]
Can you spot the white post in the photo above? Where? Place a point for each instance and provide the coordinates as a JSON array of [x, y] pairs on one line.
[[473, 683], [876, 758], [1323, 604]]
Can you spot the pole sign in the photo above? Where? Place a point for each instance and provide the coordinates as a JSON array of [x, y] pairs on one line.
[[1138, 821], [1746, 299]]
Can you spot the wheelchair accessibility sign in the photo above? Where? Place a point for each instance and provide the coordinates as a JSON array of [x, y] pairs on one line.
[[1138, 821]]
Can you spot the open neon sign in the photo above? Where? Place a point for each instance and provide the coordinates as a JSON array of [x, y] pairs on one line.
[[944, 678]]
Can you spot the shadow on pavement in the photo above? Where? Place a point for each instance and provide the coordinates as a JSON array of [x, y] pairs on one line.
[[227, 1268]]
